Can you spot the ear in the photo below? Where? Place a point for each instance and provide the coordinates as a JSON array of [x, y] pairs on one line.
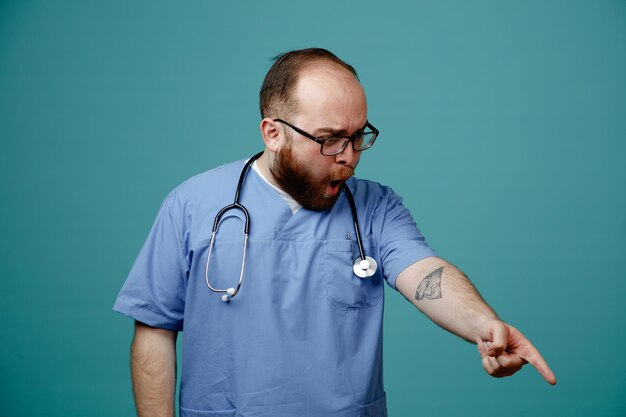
[[271, 133]]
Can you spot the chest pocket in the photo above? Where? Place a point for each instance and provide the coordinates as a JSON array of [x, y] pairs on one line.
[[343, 288]]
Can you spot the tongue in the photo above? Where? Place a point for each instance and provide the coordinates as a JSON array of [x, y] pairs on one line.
[[334, 186]]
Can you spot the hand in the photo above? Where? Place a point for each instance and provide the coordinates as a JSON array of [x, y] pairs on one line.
[[504, 351]]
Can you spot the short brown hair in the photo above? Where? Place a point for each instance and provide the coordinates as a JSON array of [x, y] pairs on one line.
[[275, 95]]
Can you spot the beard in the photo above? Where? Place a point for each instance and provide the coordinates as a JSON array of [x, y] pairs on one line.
[[298, 181]]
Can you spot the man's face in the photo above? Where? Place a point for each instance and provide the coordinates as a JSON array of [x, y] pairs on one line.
[[330, 102]]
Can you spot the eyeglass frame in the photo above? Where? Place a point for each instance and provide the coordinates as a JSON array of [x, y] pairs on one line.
[[350, 138]]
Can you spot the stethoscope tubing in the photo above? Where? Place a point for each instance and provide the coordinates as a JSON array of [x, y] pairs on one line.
[[363, 267], [232, 291], [354, 219]]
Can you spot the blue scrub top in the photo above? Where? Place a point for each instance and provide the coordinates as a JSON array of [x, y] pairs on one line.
[[303, 337]]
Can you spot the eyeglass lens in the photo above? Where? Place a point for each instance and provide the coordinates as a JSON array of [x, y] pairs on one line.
[[361, 142]]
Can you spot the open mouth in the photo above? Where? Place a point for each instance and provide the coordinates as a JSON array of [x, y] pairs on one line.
[[335, 183], [334, 187]]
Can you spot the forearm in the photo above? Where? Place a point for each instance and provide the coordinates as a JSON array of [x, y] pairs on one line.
[[153, 369], [446, 296]]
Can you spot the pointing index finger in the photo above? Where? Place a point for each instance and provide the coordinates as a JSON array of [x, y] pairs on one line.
[[521, 346], [534, 358]]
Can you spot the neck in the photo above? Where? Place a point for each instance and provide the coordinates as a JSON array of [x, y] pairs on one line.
[[263, 163]]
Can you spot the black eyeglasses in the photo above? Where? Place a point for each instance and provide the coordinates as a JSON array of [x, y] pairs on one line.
[[336, 144]]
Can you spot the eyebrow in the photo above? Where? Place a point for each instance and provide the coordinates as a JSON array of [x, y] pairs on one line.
[[331, 130], [338, 131]]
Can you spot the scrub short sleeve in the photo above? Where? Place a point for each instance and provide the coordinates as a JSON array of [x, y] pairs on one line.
[[154, 292], [402, 244]]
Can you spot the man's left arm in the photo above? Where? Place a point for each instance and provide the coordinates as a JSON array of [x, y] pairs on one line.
[[447, 297]]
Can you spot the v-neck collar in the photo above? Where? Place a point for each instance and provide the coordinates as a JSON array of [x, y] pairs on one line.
[[267, 207], [291, 202]]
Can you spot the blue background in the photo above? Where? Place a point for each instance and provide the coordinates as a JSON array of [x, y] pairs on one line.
[[502, 124]]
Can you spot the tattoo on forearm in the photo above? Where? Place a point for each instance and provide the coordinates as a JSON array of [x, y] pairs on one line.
[[430, 287]]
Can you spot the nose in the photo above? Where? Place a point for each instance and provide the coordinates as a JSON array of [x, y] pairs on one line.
[[348, 156]]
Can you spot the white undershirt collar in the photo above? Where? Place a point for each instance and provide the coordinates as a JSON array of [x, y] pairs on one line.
[[293, 204]]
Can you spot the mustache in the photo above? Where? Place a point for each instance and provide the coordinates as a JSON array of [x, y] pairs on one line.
[[343, 172]]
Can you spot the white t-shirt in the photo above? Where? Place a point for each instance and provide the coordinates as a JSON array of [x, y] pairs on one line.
[[293, 204]]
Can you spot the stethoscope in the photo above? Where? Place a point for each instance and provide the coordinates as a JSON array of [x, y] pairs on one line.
[[363, 266]]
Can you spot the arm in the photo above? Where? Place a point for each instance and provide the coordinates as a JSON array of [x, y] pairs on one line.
[[448, 298], [153, 369]]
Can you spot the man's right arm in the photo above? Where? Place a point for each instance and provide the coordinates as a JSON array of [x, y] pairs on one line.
[[153, 369]]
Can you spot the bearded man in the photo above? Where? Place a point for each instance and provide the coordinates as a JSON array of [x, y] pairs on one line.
[[284, 317]]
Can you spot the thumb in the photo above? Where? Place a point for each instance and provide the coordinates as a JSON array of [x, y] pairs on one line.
[[492, 338]]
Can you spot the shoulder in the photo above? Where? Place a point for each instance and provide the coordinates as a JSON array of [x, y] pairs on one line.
[[377, 201], [371, 192], [210, 182], [214, 186], [213, 178]]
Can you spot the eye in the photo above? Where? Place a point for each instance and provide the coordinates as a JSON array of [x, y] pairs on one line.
[[331, 141], [358, 139]]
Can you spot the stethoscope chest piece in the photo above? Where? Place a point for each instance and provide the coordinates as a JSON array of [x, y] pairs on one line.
[[364, 268]]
